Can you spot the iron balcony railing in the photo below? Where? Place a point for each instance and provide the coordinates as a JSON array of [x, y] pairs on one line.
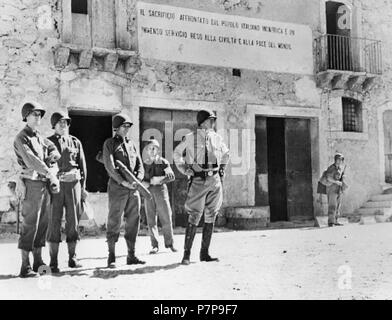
[[334, 52]]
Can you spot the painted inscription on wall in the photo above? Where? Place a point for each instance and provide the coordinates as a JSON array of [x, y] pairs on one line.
[[198, 37]]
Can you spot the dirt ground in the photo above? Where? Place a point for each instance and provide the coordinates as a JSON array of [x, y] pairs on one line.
[[350, 262]]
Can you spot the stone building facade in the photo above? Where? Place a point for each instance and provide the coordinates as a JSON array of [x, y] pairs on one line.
[[83, 56]]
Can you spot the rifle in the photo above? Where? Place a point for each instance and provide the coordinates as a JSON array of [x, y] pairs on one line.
[[131, 178]]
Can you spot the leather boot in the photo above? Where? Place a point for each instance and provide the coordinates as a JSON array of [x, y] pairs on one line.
[[205, 243], [131, 258], [54, 251], [25, 270], [189, 237], [73, 262], [112, 254], [38, 262]]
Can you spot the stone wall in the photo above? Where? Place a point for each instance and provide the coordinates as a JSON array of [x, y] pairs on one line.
[[29, 30]]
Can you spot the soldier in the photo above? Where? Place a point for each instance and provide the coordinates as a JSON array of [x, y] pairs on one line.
[[206, 157], [157, 173], [72, 175], [335, 176], [36, 155], [123, 196]]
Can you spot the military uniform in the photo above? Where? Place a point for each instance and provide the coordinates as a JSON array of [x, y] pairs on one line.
[[122, 200], [72, 175], [206, 155], [159, 205], [334, 194], [36, 155]]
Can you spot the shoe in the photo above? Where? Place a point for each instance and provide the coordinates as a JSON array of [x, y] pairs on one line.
[[189, 237], [53, 251], [186, 260], [338, 224], [134, 260], [111, 261], [205, 243], [72, 261], [27, 272], [112, 255], [38, 262], [172, 248], [331, 224], [154, 250]]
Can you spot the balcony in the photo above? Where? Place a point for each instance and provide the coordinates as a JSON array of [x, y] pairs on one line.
[[347, 63]]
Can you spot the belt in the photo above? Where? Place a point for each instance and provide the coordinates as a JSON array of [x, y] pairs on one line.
[[70, 176], [205, 174]]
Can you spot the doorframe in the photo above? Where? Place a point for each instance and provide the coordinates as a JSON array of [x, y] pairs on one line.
[[380, 119], [139, 102], [316, 133]]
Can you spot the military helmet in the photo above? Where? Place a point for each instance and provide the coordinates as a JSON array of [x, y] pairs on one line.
[[153, 142], [339, 156], [58, 116], [203, 115], [30, 107], [120, 119]]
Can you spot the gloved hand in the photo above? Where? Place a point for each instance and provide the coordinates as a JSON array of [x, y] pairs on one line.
[[20, 189], [222, 172]]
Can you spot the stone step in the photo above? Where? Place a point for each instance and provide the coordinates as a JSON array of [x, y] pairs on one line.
[[378, 204], [373, 211], [381, 197]]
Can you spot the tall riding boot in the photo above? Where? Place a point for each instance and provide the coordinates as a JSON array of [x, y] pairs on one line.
[[205, 243], [38, 262], [112, 254], [25, 270], [73, 262], [131, 258], [54, 252], [189, 236]]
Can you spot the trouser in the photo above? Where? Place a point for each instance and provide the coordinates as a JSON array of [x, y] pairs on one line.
[[70, 199], [35, 213], [334, 202], [159, 206], [123, 201], [204, 195]]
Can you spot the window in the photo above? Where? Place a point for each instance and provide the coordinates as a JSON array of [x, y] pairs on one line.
[[80, 6], [352, 115]]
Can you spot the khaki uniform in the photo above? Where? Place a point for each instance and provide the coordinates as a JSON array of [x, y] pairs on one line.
[[334, 193], [35, 154], [72, 176], [122, 200], [205, 151]]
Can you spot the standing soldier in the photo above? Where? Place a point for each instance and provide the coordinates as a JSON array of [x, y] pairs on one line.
[[72, 175], [123, 196], [157, 173], [206, 157], [335, 176], [36, 155]]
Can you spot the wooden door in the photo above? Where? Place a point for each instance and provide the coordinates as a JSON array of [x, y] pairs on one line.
[[261, 181], [388, 145], [298, 169], [169, 127]]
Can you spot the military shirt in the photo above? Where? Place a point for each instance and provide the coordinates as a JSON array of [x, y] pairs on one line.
[[155, 168], [72, 155], [35, 154], [199, 146], [124, 150]]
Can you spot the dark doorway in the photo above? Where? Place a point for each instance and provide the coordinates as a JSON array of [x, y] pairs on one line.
[[283, 168], [92, 131], [340, 42], [160, 124], [277, 169]]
